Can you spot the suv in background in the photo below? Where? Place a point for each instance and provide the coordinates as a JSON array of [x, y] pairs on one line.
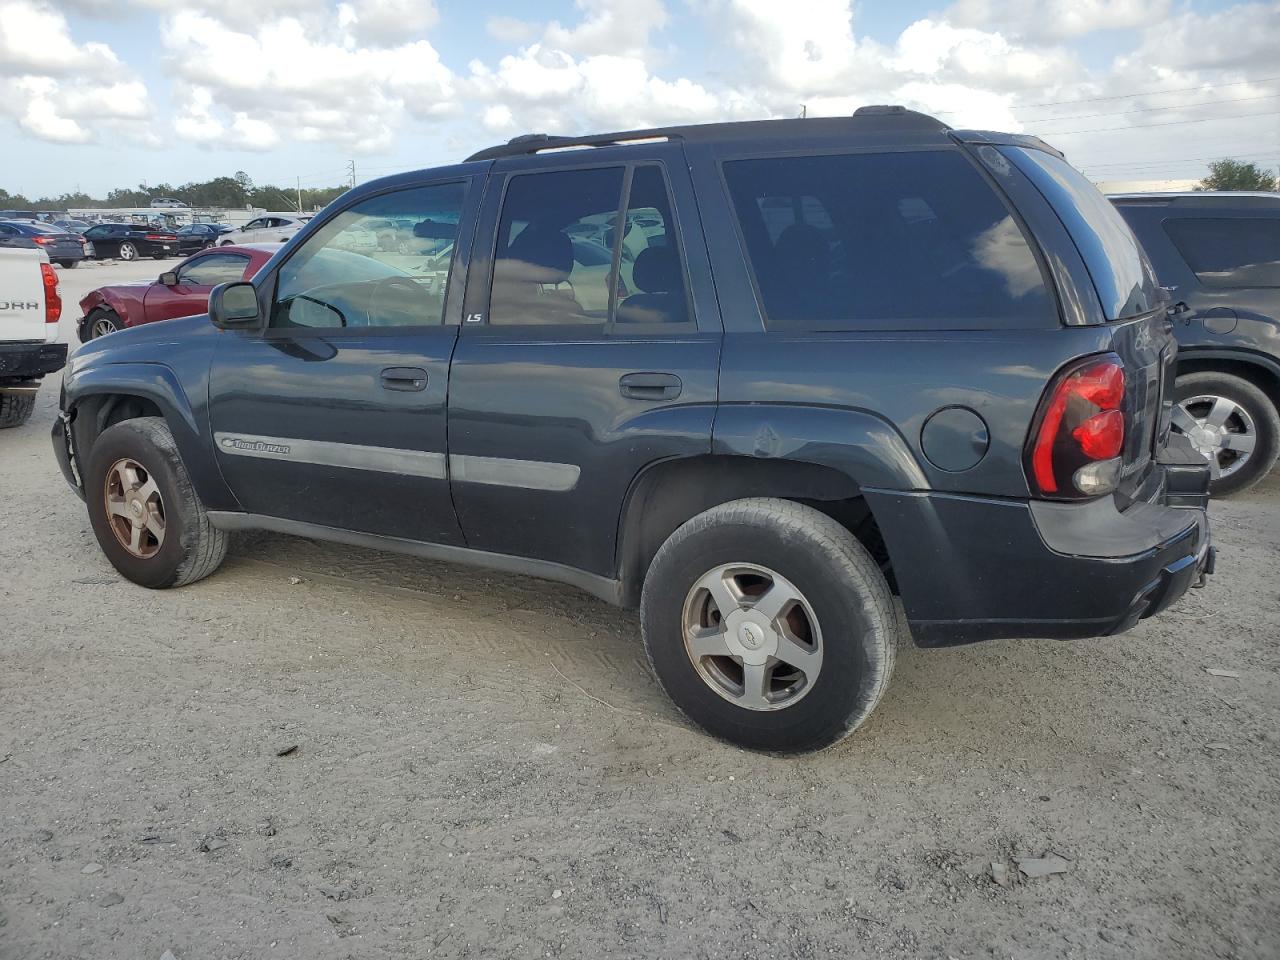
[[1219, 253], [852, 357]]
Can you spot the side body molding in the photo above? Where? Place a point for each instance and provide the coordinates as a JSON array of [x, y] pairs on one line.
[[854, 442], [159, 384]]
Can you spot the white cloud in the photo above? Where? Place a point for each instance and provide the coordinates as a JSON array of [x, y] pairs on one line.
[[1056, 20], [387, 22], [610, 27], [35, 39], [1237, 38]]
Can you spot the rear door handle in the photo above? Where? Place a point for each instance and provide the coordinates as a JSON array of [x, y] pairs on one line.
[[404, 378], [650, 386]]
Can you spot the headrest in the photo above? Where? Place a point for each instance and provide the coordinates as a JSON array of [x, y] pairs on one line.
[[657, 270], [801, 242], [545, 255]]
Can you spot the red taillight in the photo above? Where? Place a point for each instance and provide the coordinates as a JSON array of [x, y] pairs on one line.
[[160, 236], [42, 240], [52, 302], [1075, 448]]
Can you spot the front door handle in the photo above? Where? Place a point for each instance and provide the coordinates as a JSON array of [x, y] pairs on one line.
[[650, 386], [404, 378]]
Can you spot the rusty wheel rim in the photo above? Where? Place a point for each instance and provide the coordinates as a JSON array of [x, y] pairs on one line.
[[135, 509]]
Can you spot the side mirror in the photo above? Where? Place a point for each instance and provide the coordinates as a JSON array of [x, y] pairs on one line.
[[233, 305], [169, 278]]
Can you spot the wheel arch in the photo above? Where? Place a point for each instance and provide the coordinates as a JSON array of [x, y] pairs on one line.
[[101, 397], [668, 493], [1260, 370]]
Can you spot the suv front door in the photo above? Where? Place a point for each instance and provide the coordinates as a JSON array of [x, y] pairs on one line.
[[333, 413], [577, 367]]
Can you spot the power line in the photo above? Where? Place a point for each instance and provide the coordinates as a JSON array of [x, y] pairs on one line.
[[1146, 93], [1176, 160], [1180, 106], [1144, 126]]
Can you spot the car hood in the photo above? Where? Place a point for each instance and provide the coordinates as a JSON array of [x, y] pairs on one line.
[[147, 343]]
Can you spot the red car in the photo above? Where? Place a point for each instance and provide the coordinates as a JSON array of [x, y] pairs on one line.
[[180, 292]]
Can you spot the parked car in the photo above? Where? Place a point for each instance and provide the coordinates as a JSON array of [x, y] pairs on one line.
[[1219, 254], [129, 241], [29, 310], [65, 249], [271, 229], [179, 292], [168, 202], [947, 373], [197, 236], [72, 226]]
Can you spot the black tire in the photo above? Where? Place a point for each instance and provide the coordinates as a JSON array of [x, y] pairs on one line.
[[1258, 408], [128, 251], [93, 326], [837, 578], [192, 547], [15, 409], [69, 264]]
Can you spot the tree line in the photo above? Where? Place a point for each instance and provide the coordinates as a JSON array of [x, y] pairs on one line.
[[236, 192]]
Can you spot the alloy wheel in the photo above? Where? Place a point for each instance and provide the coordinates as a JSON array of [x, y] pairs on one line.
[[135, 509], [1221, 430], [128, 251], [752, 636], [101, 327]]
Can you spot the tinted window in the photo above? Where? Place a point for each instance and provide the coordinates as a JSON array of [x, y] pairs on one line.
[[1230, 253], [214, 269], [558, 243], [348, 275], [1118, 267], [867, 240]]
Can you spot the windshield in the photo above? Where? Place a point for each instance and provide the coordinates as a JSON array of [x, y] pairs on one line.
[[1119, 269]]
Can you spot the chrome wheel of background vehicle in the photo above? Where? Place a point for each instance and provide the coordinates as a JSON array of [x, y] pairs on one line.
[[102, 326], [135, 510], [128, 251], [1221, 430], [752, 637]]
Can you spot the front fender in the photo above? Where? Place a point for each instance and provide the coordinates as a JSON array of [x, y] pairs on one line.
[[858, 444], [158, 384]]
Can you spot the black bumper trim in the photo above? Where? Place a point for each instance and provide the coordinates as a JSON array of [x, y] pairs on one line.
[[27, 361]]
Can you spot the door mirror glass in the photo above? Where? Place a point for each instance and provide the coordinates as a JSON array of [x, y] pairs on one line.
[[169, 278], [233, 305]]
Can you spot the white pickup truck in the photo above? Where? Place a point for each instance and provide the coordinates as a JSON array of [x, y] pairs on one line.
[[29, 312]]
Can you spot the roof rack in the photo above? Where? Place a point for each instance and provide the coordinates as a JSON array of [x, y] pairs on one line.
[[889, 116]]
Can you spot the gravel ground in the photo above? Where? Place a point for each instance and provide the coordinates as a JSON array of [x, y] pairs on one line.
[[323, 752]]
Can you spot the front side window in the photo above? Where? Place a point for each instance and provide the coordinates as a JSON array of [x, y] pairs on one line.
[[861, 241], [214, 269], [1230, 253], [561, 258], [349, 275]]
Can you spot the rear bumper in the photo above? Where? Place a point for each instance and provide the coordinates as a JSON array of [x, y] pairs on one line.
[[30, 361], [973, 568]]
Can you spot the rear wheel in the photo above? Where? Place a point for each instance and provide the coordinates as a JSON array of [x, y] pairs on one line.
[[99, 323], [15, 409], [769, 625], [69, 264], [1232, 424], [145, 513], [128, 251]]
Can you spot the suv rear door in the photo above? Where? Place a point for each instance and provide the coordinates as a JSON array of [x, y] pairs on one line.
[[564, 385], [334, 412]]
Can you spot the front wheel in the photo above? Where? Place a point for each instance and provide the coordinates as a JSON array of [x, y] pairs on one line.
[[144, 511], [128, 251], [1232, 424], [99, 323], [769, 625]]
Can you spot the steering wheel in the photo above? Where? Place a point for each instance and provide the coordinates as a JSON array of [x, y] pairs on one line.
[[405, 299]]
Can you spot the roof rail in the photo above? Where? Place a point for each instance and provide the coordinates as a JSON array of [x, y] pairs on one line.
[[529, 143]]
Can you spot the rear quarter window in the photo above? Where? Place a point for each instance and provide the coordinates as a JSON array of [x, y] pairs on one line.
[[916, 239], [1243, 252], [1121, 273]]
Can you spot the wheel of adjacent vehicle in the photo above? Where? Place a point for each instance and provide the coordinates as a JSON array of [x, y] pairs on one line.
[[145, 513], [15, 409], [1232, 423], [98, 324], [69, 264], [159, 256], [128, 251], [769, 625], [227, 243]]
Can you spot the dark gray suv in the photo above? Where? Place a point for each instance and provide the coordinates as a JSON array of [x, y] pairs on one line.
[[1219, 255], [753, 378]]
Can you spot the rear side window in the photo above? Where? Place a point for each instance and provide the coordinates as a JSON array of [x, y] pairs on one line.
[[1119, 269], [1229, 253], [861, 241]]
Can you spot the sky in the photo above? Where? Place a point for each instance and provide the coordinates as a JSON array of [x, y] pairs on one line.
[[96, 94]]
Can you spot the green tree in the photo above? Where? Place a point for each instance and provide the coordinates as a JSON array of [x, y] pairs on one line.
[[1237, 175]]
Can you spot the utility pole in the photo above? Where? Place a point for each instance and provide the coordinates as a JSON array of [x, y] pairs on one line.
[[351, 164], [299, 194]]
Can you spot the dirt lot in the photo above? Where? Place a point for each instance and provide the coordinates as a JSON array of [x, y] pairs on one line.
[[481, 766]]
